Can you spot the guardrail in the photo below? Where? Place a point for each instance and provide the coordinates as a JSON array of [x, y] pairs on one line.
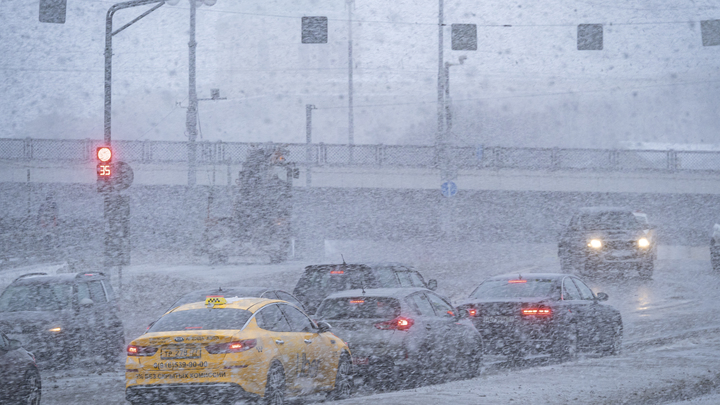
[[209, 153]]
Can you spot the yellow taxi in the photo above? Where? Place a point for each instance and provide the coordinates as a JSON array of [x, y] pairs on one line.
[[228, 349]]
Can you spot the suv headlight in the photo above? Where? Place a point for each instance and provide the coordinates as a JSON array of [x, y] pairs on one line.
[[643, 242], [595, 243]]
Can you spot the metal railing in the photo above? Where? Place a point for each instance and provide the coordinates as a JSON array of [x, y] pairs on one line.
[[209, 153]]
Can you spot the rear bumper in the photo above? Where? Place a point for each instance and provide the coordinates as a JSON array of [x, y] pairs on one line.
[[187, 393], [521, 340]]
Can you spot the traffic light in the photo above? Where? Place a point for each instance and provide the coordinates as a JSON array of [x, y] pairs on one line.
[[590, 37], [314, 30], [464, 37], [104, 168], [710, 30], [53, 11]]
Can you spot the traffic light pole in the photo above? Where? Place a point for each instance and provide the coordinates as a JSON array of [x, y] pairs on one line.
[[109, 33]]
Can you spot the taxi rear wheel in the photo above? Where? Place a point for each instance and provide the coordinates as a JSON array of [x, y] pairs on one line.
[[343, 380], [275, 386]]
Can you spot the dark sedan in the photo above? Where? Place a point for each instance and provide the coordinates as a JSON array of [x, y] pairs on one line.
[[19, 376], [543, 314], [399, 335]]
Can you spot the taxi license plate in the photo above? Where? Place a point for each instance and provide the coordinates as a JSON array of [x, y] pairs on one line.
[[503, 320], [361, 361], [180, 352]]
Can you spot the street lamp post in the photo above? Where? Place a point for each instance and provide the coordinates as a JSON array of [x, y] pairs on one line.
[[109, 33], [191, 117], [308, 141]]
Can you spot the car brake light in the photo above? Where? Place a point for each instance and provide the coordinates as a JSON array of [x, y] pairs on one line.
[[231, 347], [540, 311], [133, 350], [472, 312], [337, 272], [517, 281], [399, 323], [357, 301]]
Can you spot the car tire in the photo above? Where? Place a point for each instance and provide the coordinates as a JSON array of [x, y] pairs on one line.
[[275, 386], [343, 380], [646, 270], [616, 343], [33, 388], [472, 363], [114, 356], [566, 346]]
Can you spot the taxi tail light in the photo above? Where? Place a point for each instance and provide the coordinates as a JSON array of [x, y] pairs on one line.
[[133, 350], [231, 347], [537, 311], [473, 312], [399, 323]]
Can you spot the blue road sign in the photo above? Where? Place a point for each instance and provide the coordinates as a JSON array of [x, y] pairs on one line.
[[448, 189]]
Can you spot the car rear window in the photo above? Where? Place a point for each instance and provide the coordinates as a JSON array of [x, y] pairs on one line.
[[334, 278], [36, 297], [521, 288], [359, 307], [202, 319]]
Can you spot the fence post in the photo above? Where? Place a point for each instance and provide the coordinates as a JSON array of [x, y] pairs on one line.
[[555, 159], [28, 149], [672, 162], [614, 158]]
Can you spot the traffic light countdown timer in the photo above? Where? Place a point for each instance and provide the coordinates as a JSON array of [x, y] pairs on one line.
[[112, 176]]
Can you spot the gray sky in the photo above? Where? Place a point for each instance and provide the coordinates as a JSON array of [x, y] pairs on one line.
[[525, 85]]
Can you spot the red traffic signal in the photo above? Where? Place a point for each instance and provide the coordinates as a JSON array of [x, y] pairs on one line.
[[104, 154]]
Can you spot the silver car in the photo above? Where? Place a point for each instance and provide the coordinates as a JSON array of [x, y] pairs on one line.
[[401, 336]]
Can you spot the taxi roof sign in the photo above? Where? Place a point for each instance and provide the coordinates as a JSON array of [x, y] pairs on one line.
[[212, 300]]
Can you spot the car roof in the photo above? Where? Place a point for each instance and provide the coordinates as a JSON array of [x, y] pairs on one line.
[[377, 292], [248, 304], [357, 265], [526, 275], [242, 291], [597, 210], [64, 278]]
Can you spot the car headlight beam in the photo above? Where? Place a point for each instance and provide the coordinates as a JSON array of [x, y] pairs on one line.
[[595, 243], [643, 242]]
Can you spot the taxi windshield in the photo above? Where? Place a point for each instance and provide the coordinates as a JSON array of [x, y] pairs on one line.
[[36, 297], [202, 319], [362, 307], [524, 288]]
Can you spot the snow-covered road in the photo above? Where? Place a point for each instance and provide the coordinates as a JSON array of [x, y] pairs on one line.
[[670, 350]]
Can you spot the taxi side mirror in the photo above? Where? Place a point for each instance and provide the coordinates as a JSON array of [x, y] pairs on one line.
[[432, 285], [462, 314], [86, 302], [601, 296], [323, 327]]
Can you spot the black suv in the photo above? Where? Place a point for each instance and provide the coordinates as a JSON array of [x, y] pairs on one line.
[[321, 280], [600, 239], [63, 317], [19, 374]]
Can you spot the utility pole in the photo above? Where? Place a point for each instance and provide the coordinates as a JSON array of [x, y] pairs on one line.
[[351, 117], [308, 142], [191, 118], [439, 138]]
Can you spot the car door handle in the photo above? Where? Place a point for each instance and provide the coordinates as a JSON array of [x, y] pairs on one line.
[[280, 342], [308, 341]]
